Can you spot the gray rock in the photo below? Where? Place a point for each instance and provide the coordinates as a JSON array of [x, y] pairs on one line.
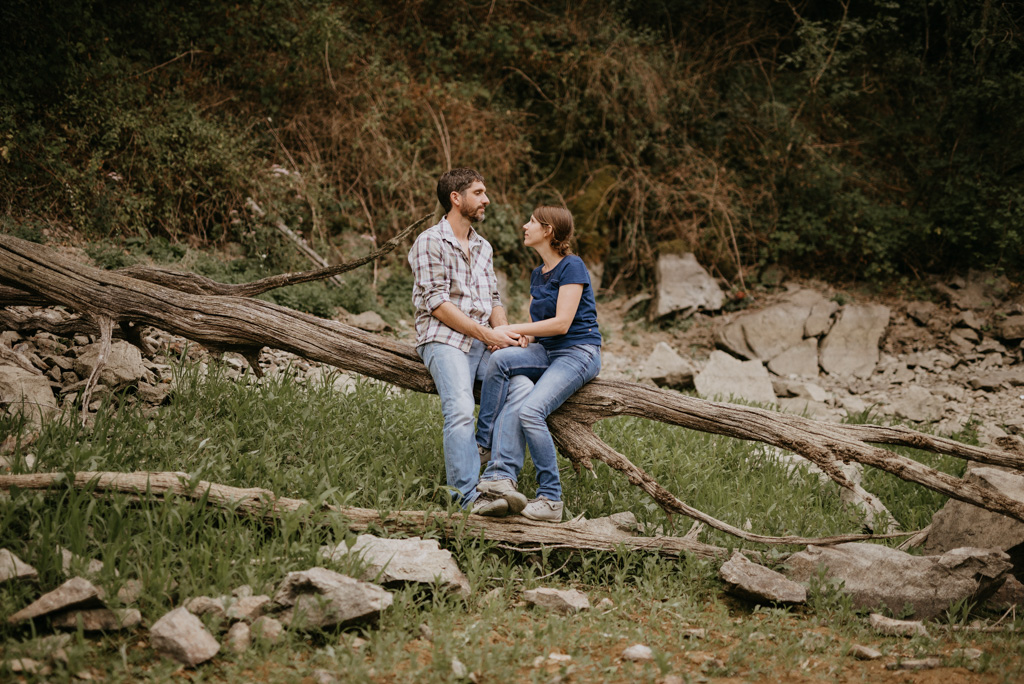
[[123, 366], [369, 321], [400, 561], [98, 619], [665, 368], [13, 568], [915, 664], [918, 404], [960, 524], [800, 388], [180, 635], [726, 376], [890, 627], [73, 564], [1009, 595], [27, 393], [922, 312], [1012, 328], [75, 593], [864, 652], [876, 575], [239, 637], [731, 338], [757, 583], [684, 285], [557, 600], [801, 406], [267, 628], [995, 380], [638, 653], [801, 359], [819, 322], [319, 597], [851, 346], [206, 605], [248, 608]]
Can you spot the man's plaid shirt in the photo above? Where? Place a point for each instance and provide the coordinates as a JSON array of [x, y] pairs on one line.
[[442, 273]]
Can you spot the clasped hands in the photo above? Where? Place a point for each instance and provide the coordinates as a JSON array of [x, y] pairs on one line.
[[501, 337]]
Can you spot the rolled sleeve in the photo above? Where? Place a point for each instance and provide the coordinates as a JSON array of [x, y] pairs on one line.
[[432, 283]]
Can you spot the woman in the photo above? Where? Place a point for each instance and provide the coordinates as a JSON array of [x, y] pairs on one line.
[[560, 351]]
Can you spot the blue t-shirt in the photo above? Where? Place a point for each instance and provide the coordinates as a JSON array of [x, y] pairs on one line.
[[544, 290]]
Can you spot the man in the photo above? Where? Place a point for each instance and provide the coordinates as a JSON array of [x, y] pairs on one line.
[[455, 293]]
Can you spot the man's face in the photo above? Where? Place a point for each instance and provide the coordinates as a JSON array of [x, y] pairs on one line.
[[472, 202]]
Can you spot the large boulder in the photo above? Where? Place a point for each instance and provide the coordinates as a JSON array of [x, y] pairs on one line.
[[875, 575], [27, 393], [851, 346], [1012, 328], [961, 524], [725, 376], [684, 285], [318, 598], [403, 561], [123, 367]]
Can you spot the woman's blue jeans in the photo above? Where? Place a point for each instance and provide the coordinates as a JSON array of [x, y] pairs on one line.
[[505, 420]]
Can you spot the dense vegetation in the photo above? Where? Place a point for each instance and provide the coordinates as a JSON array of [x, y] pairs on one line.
[[874, 139]]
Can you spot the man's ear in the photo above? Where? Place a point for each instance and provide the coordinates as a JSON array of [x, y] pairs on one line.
[[456, 198]]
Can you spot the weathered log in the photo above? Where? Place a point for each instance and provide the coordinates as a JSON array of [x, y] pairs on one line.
[[223, 320], [263, 503]]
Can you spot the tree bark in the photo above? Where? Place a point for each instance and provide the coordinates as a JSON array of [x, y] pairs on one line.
[[237, 322], [261, 503]]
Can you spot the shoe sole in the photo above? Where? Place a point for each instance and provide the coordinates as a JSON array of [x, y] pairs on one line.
[[516, 502]]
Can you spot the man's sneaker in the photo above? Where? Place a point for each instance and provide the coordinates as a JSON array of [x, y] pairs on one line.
[[543, 508], [506, 490], [485, 454], [489, 504]]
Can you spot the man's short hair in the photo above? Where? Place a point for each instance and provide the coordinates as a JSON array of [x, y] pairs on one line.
[[456, 180]]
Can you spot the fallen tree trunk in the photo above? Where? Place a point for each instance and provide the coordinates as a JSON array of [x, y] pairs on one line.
[[237, 322], [261, 503]]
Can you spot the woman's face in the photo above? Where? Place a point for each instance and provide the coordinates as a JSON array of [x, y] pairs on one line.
[[536, 233]]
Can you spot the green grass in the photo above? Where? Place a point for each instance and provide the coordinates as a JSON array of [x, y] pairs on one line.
[[379, 447]]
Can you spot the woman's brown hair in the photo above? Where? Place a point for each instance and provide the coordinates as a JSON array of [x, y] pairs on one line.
[[560, 222]]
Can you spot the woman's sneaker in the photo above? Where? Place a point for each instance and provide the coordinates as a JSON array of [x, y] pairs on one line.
[[506, 489], [543, 508]]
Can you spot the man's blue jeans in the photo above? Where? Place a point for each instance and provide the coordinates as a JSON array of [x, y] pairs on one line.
[[505, 420], [454, 373]]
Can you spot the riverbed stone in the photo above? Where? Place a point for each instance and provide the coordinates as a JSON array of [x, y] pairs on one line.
[[684, 285], [959, 524], [13, 568], [180, 635], [564, 601], [875, 575], [801, 359], [27, 393], [666, 368], [851, 346], [318, 598], [77, 592], [123, 366], [401, 561], [753, 582], [725, 376]]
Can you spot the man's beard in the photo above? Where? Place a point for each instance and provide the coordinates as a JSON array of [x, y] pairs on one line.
[[480, 215]]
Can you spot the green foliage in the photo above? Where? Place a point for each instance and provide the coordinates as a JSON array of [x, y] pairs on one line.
[[878, 141]]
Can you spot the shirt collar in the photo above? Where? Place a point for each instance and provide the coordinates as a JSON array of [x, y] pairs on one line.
[[449, 234]]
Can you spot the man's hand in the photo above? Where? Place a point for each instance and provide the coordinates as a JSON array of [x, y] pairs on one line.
[[500, 337]]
